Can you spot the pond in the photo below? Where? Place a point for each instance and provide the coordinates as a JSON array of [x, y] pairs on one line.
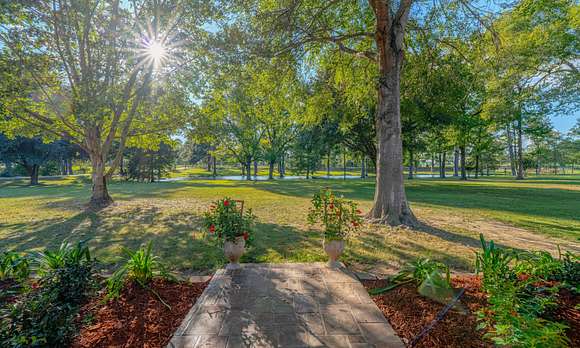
[[265, 177]]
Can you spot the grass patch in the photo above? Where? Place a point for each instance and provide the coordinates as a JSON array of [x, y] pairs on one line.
[[537, 213]]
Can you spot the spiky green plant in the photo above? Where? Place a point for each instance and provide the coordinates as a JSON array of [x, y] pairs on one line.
[[142, 267]]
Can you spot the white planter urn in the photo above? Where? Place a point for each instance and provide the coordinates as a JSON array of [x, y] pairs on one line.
[[333, 249], [233, 251]]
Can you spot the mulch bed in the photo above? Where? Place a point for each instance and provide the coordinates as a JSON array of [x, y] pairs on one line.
[[137, 318], [408, 312]]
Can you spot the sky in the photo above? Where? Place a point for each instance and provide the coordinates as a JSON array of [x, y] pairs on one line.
[[563, 123]]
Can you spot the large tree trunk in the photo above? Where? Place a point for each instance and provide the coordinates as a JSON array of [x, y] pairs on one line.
[[255, 168], [363, 169], [390, 202], [520, 162], [213, 160], [209, 156], [476, 166], [100, 196], [33, 170]]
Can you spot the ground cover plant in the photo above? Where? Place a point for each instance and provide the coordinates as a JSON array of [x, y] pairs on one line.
[[44, 315], [64, 301]]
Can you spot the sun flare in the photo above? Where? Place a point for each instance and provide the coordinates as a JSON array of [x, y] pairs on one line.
[[156, 51]]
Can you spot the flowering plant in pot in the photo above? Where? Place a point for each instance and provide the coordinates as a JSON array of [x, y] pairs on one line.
[[230, 226], [339, 217]]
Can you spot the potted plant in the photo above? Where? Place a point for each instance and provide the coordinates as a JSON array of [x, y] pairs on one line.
[[339, 218], [227, 222]]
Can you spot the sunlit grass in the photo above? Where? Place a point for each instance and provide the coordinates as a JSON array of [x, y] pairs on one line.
[[520, 214]]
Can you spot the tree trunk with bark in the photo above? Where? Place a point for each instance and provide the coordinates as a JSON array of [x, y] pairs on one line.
[[328, 163], [255, 168], [476, 166], [511, 150], [520, 162], [363, 169], [249, 170], [462, 162], [456, 162], [213, 159], [390, 204], [100, 196], [411, 159], [271, 170], [33, 171]]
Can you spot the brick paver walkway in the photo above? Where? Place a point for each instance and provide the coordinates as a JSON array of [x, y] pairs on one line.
[[285, 305]]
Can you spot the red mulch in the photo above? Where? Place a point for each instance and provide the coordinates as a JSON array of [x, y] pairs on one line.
[[408, 312], [137, 318], [9, 290], [566, 312]]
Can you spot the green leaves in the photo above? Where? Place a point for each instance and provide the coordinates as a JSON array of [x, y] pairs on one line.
[[227, 221], [141, 266], [339, 217]]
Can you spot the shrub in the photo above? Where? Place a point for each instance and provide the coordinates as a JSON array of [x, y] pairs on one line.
[[227, 221], [66, 254], [339, 217], [516, 304], [141, 266], [13, 266], [45, 315], [494, 263], [432, 278]]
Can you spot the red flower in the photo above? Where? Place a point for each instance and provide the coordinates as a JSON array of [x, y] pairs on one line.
[[331, 206], [246, 235], [354, 223], [358, 211], [226, 203], [212, 229]]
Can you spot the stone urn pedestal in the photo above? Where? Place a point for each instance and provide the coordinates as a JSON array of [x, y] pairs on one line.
[[333, 249], [233, 251]]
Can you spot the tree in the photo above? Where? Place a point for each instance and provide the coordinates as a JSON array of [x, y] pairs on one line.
[[30, 153], [150, 164], [92, 79], [533, 69]]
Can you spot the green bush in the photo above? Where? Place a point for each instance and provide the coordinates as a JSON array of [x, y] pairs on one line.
[[45, 315], [13, 266], [141, 266], [66, 254], [516, 304]]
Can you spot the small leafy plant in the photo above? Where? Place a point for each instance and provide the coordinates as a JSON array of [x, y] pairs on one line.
[[339, 217], [14, 266], [494, 263], [66, 254], [227, 221], [515, 302], [432, 277], [142, 267], [45, 316]]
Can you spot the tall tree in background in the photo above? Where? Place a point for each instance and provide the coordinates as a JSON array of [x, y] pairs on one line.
[[534, 68], [101, 65]]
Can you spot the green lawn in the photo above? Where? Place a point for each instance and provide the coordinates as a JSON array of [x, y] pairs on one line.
[[535, 213]]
